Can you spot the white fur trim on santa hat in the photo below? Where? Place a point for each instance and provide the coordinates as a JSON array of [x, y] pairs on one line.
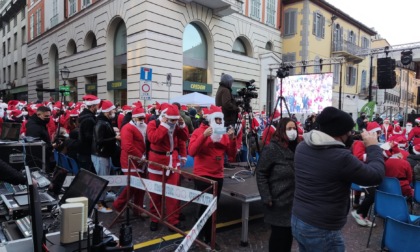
[[139, 115], [375, 129], [216, 115], [172, 117], [108, 109], [94, 102], [416, 152]]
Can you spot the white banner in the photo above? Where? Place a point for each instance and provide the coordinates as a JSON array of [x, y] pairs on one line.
[[172, 191], [192, 235]]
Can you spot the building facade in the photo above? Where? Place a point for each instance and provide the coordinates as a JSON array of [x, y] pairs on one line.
[[106, 43], [315, 30], [13, 63]]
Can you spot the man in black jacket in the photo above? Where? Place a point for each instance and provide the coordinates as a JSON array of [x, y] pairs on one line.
[[11, 175], [87, 121], [225, 100], [37, 127]]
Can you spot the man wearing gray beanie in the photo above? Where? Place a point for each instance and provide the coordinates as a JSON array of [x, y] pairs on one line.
[[225, 100], [324, 171]]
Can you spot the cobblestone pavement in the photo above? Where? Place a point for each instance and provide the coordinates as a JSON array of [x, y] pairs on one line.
[[229, 236]]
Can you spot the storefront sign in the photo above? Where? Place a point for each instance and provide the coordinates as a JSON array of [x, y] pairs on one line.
[[197, 87], [117, 85], [91, 88]]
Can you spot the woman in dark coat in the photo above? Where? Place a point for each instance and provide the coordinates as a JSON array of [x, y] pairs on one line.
[[276, 183]]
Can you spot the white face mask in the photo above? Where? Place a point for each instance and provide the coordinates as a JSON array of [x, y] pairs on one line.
[[291, 134], [112, 116]]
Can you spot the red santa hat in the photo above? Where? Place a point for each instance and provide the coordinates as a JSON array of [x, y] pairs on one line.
[[416, 149], [90, 100], [16, 113], [373, 127], [395, 122], [157, 107], [401, 141], [386, 120], [276, 116], [74, 112], [215, 112], [126, 108], [417, 120], [12, 104], [184, 108], [138, 112], [137, 104], [408, 124], [172, 112], [205, 111], [149, 107], [72, 105], [107, 106], [22, 103], [58, 105], [397, 129]]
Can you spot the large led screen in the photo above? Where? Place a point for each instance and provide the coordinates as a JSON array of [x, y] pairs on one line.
[[309, 93]]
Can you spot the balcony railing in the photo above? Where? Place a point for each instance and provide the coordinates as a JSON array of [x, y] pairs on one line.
[[220, 7], [54, 20], [349, 50]]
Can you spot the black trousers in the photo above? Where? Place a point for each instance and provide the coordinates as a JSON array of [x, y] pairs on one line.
[[201, 186], [367, 202], [281, 239]]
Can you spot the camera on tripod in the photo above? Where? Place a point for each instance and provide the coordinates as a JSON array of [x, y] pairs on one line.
[[245, 95], [283, 71]]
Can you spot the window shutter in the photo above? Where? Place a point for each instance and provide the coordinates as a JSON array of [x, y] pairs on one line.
[[314, 25], [322, 26], [293, 27], [363, 79], [353, 75], [348, 75], [286, 23]]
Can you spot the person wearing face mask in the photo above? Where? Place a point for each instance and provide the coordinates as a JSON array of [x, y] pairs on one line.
[[104, 145], [208, 145], [133, 142], [276, 182], [361, 121], [325, 168], [164, 135], [36, 127]]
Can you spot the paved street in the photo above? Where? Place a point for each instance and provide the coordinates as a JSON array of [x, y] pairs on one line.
[[228, 237]]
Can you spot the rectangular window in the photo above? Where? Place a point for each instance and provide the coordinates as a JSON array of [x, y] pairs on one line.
[[4, 49], [15, 41], [23, 67], [38, 22], [8, 45], [54, 19], [23, 35], [271, 12], [72, 8], [290, 22], [9, 72], [4, 74], [351, 76], [318, 28], [8, 26], [86, 3], [31, 27], [4, 31], [365, 43], [255, 9], [16, 70], [23, 14], [15, 21]]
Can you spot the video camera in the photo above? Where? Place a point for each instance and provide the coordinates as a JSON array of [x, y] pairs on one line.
[[245, 95]]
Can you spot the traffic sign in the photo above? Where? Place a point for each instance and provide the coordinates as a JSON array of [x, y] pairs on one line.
[[145, 73], [145, 90]]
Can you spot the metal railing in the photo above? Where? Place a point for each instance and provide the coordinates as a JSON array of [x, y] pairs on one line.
[[348, 47]]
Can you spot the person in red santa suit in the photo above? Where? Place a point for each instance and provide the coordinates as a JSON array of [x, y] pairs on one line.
[[396, 166], [163, 150], [407, 129], [300, 131], [208, 145], [397, 131], [133, 142], [269, 131], [414, 134], [387, 128]]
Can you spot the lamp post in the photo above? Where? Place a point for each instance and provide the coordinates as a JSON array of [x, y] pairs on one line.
[[65, 72]]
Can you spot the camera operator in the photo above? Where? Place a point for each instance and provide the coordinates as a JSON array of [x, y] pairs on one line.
[[225, 99]]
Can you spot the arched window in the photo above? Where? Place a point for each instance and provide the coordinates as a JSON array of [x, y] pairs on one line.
[[90, 41], [120, 62], [71, 47], [269, 46], [194, 48], [239, 47], [39, 60]]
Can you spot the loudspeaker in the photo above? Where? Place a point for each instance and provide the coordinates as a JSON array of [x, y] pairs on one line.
[[71, 222], [84, 201], [16, 153], [386, 74]]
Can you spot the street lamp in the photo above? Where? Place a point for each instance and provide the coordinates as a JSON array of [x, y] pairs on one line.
[[65, 72]]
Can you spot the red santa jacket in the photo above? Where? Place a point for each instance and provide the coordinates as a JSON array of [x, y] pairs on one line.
[[268, 134], [400, 169], [414, 135], [387, 130], [163, 144], [132, 143], [209, 155]]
